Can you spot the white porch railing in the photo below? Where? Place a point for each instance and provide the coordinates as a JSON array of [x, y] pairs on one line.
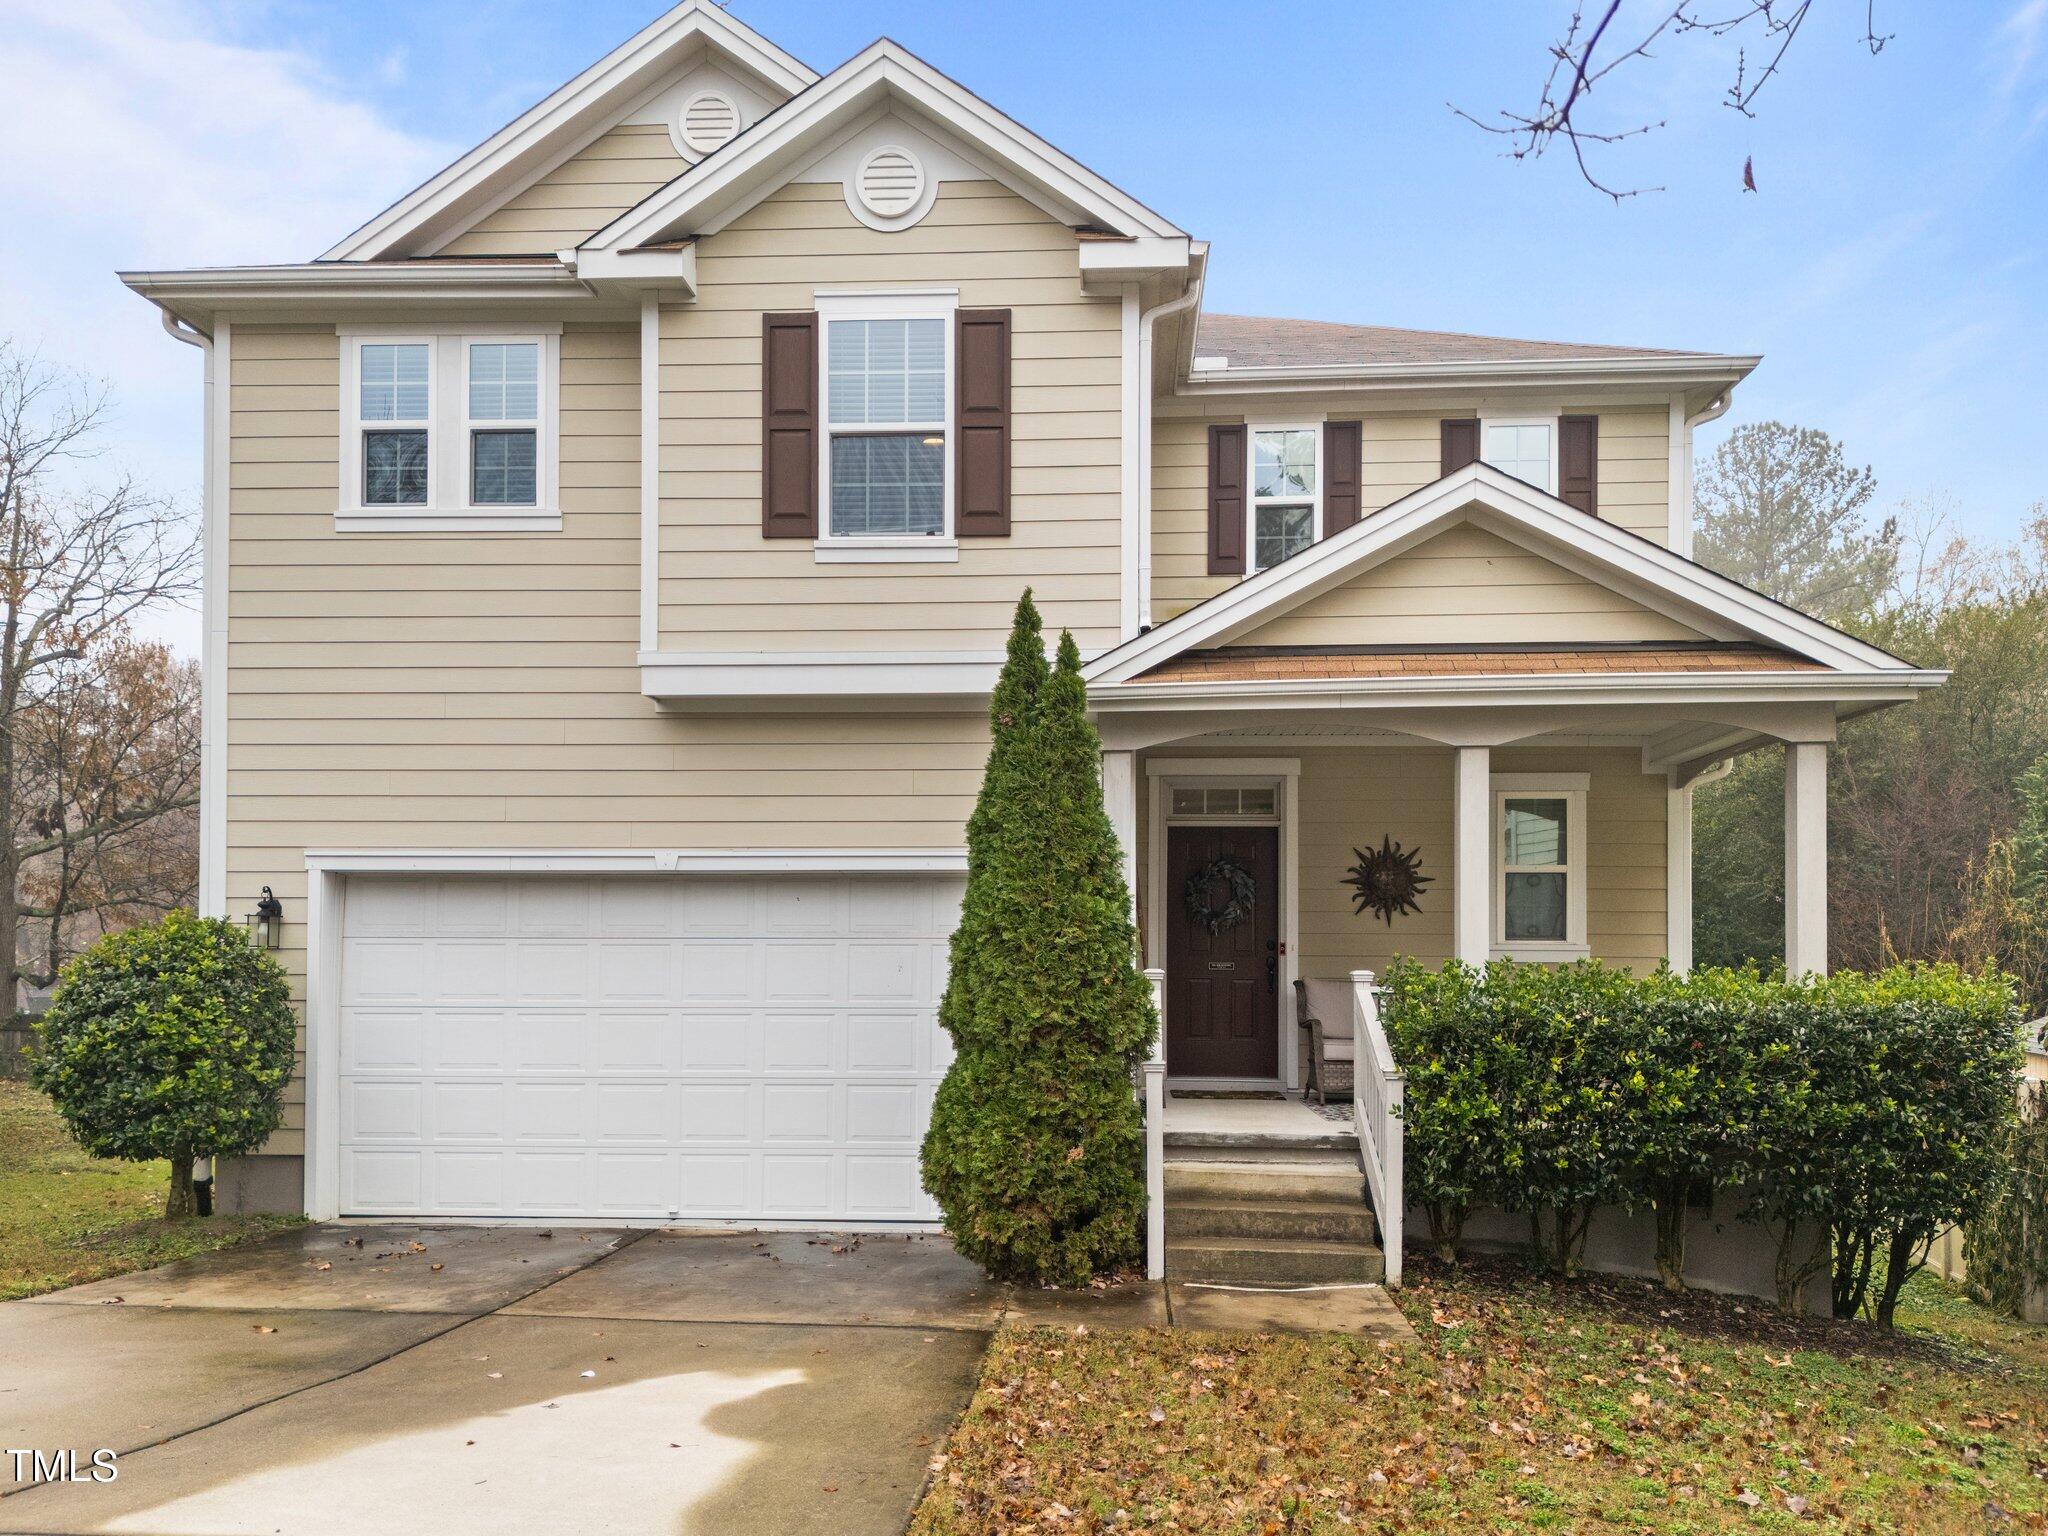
[[1154, 1090], [1153, 1074], [1377, 1092]]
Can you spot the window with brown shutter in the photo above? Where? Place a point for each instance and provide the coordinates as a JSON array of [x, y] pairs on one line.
[[1343, 466], [981, 464], [1460, 439], [789, 426], [1578, 462], [1227, 461]]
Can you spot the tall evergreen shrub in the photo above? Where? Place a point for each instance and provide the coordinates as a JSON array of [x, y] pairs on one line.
[[1036, 1147]]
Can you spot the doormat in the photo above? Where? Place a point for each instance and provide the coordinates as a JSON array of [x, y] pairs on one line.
[[1230, 1093]]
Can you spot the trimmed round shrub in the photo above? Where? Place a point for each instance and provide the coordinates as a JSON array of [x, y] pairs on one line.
[[173, 1041]]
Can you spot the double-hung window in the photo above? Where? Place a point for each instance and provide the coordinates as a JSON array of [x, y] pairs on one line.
[[1286, 499], [1523, 447], [504, 423], [396, 391], [1539, 865], [448, 431], [888, 407]]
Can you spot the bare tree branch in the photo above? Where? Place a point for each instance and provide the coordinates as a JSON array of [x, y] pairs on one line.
[[1586, 55]]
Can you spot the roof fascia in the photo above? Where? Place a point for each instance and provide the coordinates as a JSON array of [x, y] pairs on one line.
[[1601, 552], [1722, 372], [624, 72], [782, 141], [204, 292]]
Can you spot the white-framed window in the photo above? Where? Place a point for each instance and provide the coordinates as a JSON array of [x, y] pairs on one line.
[[449, 430], [1225, 801], [887, 397], [1286, 503], [1539, 865], [503, 425], [1522, 446]]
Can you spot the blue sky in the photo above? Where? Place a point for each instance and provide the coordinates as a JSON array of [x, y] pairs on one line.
[[1891, 268]]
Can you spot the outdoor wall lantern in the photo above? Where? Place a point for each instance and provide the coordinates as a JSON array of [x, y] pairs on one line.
[[266, 923]]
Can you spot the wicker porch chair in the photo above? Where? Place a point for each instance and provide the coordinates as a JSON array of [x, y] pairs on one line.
[[1324, 1009]]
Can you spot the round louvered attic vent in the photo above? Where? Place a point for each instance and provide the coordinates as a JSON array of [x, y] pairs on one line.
[[889, 182], [709, 119]]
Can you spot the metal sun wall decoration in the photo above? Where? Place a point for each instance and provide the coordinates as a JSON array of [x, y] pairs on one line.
[[1387, 880]]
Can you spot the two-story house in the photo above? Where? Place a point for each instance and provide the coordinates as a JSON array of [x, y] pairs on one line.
[[611, 544]]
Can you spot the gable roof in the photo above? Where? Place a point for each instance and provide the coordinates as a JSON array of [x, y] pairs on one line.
[[1626, 562], [568, 118], [1261, 341], [726, 183]]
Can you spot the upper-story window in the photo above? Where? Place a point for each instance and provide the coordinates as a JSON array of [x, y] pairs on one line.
[[888, 399], [504, 423], [1286, 500], [448, 431], [1524, 448]]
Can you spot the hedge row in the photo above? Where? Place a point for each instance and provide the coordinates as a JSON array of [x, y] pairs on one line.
[[1874, 1105]]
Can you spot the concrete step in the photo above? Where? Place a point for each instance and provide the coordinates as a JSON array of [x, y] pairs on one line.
[[1259, 1147], [1347, 1221], [1273, 1262], [1327, 1179]]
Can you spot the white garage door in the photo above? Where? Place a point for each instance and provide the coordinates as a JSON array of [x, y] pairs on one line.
[[732, 1048]]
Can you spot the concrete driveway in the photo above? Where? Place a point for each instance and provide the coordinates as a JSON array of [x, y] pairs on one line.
[[351, 1378]]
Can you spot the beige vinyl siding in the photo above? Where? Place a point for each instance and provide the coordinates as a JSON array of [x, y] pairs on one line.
[[1466, 585], [422, 691], [1403, 452], [612, 173], [1351, 796], [725, 588], [1635, 471]]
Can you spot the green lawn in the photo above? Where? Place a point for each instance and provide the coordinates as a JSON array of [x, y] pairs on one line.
[[67, 1218], [1529, 1407]]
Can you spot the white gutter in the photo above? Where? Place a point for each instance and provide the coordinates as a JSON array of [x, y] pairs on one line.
[[1146, 322], [1704, 369]]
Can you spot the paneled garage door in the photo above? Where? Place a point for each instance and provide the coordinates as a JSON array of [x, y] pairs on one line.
[[733, 1048]]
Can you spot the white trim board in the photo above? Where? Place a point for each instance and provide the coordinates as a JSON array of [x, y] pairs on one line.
[[1598, 550]]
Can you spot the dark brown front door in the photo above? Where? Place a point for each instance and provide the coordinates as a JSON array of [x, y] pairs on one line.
[[1223, 989]]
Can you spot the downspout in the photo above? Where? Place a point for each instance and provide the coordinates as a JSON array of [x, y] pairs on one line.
[[192, 336], [1716, 409], [1145, 323]]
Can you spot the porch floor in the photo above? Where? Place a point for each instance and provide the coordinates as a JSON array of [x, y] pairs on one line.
[[1275, 1117]]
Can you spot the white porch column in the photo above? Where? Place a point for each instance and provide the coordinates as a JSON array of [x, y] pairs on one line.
[[1806, 858], [1120, 799], [1471, 855]]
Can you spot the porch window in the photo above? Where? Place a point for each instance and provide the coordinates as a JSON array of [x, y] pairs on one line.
[[1223, 800], [1525, 449], [1540, 865], [1286, 493]]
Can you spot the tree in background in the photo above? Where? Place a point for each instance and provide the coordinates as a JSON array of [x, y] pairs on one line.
[[1783, 511], [97, 732], [1919, 796], [1035, 1151]]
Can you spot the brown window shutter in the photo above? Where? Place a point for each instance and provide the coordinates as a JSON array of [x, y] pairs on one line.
[[981, 455], [1343, 464], [1226, 500], [1578, 462], [789, 426], [1460, 443]]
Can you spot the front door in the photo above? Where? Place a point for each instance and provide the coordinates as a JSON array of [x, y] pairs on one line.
[[1223, 970]]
